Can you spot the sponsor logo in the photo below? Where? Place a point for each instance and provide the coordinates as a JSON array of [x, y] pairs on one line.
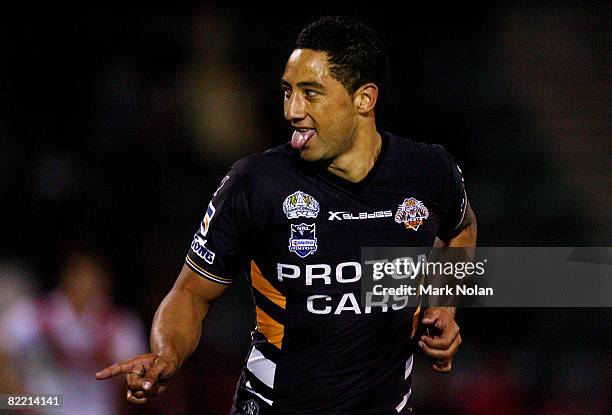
[[359, 216], [198, 246], [250, 407], [300, 204], [210, 212], [303, 241], [411, 213], [321, 275]]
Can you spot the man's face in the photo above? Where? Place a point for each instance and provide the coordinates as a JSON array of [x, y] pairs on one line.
[[318, 106]]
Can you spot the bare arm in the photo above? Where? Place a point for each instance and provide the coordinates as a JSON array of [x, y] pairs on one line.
[[176, 331], [177, 325], [465, 239], [442, 348]]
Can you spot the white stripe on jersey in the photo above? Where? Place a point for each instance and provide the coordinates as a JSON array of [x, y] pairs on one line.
[[250, 389], [401, 405], [263, 369], [408, 368]]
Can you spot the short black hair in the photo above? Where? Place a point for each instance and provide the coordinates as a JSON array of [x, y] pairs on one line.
[[356, 53]]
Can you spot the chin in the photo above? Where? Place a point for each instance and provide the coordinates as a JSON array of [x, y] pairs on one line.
[[309, 155], [316, 155]]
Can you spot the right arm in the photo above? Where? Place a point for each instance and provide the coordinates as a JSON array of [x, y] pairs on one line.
[[177, 325], [175, 334], [214, 258]]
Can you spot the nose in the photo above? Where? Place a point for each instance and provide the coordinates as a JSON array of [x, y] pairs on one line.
[[294, 108]]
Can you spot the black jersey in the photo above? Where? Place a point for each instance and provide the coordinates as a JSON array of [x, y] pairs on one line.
[[297, 230]]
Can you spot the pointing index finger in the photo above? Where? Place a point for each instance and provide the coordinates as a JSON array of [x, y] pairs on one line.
[[114, 370]]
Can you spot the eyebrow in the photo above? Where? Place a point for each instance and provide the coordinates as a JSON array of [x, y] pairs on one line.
[[303, 84]]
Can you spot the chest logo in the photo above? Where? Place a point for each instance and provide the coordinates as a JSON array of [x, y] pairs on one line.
[[250, 407], [303, 241], [300, 204], [411, 213]]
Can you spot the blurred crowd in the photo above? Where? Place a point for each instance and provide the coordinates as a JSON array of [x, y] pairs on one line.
[[53, 342], [118, 125]]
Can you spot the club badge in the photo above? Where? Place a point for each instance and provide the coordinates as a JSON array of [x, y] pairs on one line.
[[250, 407], [303, 241], [411, 213], [300, 204]]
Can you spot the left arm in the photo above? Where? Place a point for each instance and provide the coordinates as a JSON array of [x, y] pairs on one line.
[[444, 342]]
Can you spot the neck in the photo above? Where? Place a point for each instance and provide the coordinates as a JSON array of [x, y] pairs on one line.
[[355, 163]]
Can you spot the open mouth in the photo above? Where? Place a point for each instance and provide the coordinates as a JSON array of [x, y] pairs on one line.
[[301, 136]]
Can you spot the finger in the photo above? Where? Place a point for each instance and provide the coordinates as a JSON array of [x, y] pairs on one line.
[[443, 341], [137, 382], [134, 381], [133, 399], [436, 316], [441, 354], [443, 366], [430, 319], [139, 395], [116, 369], [135, 385], [127, 366], [143, 394], [158, 371], [152, 391]]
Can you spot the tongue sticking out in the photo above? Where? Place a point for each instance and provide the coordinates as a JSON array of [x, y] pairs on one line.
[[299, 138]]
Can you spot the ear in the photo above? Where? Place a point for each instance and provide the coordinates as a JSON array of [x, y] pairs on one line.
[[365, 98]]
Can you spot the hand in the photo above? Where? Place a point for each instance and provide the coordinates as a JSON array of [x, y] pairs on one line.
[[146, 375], [444, 339]]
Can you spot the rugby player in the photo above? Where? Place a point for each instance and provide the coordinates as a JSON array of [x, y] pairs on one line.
[[294, 218]]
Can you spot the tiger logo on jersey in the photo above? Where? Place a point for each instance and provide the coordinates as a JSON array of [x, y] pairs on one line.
[[300, 204], [411, 213]]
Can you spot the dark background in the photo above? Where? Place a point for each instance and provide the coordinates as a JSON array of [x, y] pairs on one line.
[[118, 122]]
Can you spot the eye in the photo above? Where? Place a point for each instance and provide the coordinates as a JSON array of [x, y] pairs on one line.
[[286, 93], [311, 93]]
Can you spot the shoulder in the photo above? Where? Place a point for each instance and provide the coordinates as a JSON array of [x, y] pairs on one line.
[[407, 152], [266, 168], [264, 161]]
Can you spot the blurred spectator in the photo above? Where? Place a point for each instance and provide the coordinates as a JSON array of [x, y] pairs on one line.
[[58, 341], [16, 283]]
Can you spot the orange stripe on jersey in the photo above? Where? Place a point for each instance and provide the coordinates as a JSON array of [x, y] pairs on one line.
[[265, 288], [272, 329], [415, 321]]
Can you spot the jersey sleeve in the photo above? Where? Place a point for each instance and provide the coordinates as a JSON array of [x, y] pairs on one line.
[[455, 201], [219, 248]]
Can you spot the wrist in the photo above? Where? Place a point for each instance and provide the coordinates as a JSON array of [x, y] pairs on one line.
[[168, 352]]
